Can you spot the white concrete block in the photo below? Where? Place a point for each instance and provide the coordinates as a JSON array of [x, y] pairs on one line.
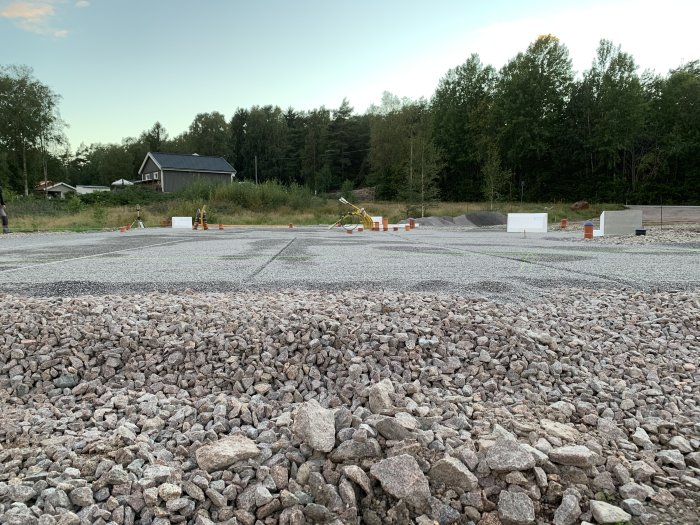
[[527, 222], [623, 222], [182, 222]]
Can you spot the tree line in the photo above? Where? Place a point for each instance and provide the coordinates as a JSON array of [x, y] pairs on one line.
[[531, 130]]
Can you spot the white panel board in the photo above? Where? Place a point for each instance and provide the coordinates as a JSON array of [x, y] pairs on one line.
[[527, 222], [182, 222], [620, 222]]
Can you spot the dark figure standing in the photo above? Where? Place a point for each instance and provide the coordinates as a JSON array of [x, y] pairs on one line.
[[3, 214]]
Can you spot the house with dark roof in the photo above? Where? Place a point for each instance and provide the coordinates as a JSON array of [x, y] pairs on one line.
[[54, 190], [169, 172]]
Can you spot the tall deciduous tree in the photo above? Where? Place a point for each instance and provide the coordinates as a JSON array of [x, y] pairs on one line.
[[679, 136], [460, 109], [495, 178], [208, 134], [531, 95], [614, 108], [29, 120], [404, 159]]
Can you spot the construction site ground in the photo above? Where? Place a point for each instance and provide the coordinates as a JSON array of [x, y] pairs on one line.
[[470, 262]]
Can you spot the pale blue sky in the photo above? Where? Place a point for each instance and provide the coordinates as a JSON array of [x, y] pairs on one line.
[[121, 65]]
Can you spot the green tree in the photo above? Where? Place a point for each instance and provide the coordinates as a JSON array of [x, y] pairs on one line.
[[291, 165], [156, 137], [460, 108], [313, 159], [29, 121], [676, 174], [404, 159], [530, 98], [266, 141], [209, 134], [614, 115], [236, 144], [495, 177]]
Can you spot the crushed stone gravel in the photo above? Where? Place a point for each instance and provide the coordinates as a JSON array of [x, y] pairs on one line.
[[186, 407]]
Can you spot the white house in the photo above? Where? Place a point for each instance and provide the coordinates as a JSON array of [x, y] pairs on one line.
[[82, 189], [59, 190]]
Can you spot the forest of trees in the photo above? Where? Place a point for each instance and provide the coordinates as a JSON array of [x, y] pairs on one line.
[[610, 134]]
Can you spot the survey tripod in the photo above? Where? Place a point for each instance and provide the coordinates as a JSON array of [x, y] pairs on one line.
[[138, 222]]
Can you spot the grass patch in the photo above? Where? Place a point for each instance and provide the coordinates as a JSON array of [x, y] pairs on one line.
[[245, 203]]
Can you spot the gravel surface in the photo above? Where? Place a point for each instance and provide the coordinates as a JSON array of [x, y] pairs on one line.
[[259, 376], [350, 407], [472, 263]]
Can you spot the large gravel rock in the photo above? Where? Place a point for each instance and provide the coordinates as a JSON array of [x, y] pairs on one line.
[[453, 473], [515, 508], [315, 426], [576, 455], [604, 512], [508, 455], [225, 452], [401, 477]]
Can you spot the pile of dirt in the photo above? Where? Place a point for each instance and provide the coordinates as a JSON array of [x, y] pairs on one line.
[[468, 220], [487, 218]]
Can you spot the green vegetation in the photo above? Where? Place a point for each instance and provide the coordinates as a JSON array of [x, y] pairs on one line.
[[269, 203], [531, 131]]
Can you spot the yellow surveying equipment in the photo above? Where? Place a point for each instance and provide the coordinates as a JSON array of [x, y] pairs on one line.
[[348, 219], [201, 218], [138, 220]]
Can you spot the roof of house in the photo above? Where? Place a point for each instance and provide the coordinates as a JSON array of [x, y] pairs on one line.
[[41, 185], [175, 161], [58, 184], [122, 182]]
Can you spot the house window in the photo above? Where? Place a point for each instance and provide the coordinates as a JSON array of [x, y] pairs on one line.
[[156, 176]]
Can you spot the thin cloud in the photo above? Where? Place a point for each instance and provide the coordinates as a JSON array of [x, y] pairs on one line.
[[28, 11], [34, 17], [82, 3]]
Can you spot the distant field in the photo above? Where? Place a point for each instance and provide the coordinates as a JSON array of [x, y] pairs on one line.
[[39, 216]]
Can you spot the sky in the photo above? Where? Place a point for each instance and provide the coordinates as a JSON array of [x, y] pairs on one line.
[[122, 65]]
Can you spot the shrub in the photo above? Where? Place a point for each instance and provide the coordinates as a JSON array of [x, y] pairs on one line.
[[346, 190], [130, 196], [75, 205]]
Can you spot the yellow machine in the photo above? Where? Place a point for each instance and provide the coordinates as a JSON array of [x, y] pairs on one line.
[[349, 219], [201, 218]]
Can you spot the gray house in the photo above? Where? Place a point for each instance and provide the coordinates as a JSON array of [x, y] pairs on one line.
[[168, 172]]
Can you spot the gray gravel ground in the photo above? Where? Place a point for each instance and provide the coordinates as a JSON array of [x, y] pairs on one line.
[[466, 262], [326, 390]]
